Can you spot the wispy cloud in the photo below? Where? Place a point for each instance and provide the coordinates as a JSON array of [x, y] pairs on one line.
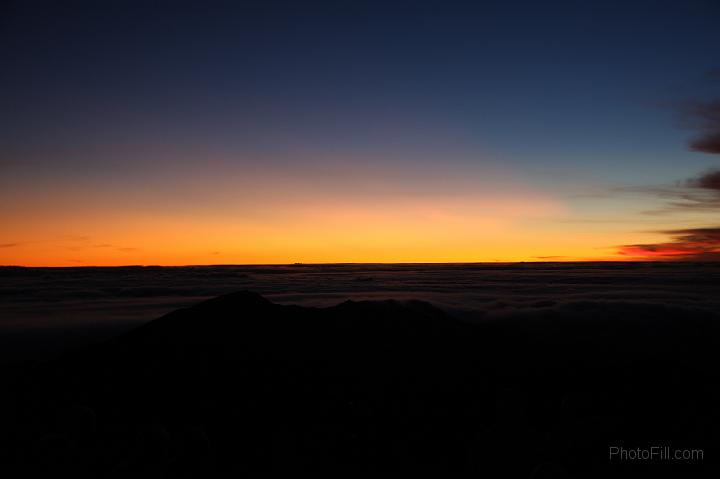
[[77, 238], [700, 194], [710, 180], [707, 121], [124, 249]]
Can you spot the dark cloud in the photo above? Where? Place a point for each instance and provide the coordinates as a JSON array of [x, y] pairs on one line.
[[701, 193], [699, 235], [705, 118], [9, 245], [710, 180], [708, 143]]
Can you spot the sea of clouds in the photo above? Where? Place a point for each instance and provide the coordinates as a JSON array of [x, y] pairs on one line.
[[72, 304]]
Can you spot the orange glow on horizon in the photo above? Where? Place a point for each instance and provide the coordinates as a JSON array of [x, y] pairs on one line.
[[463, 229], [339, 215]]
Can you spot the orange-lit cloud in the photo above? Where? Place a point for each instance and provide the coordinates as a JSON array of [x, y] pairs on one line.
[[702, 244]]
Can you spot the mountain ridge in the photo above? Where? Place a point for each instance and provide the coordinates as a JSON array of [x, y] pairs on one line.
[[240, 385]]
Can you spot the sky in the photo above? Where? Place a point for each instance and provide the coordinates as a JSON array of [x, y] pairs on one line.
[[174, 133]]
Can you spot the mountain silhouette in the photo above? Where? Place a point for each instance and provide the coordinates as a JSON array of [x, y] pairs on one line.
[[240, 385]]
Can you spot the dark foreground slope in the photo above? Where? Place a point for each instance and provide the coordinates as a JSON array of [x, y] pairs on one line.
[[240, 385]]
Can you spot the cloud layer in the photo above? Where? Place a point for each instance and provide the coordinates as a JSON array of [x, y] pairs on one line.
[[86, 304], [708, 123]]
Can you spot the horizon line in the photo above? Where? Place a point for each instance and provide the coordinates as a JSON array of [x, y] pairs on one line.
[[201, 265]]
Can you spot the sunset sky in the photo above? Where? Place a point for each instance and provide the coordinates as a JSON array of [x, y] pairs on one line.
[[175, 133]]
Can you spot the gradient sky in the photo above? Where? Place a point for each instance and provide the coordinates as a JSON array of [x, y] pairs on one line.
[[232, 132]]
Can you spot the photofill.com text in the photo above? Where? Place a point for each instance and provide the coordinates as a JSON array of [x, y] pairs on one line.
[[655, 453]]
